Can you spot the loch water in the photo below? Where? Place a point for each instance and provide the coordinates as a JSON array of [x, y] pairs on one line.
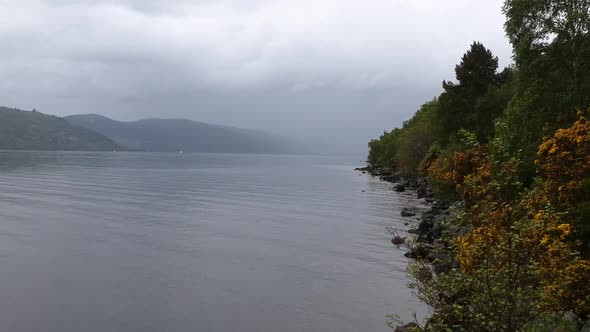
[[197, 242]]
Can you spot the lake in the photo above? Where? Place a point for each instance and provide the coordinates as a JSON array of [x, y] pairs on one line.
[[197, 242]]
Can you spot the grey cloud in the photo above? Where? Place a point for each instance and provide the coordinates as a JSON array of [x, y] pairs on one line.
[[339, 71]]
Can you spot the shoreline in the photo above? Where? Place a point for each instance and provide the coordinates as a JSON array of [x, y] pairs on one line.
[[428, 233], [431, 220]]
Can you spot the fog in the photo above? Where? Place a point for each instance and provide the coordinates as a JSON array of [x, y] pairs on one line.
[[329, 73]]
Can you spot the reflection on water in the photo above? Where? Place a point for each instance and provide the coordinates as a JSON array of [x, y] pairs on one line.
[[155, 242], [13, 160]]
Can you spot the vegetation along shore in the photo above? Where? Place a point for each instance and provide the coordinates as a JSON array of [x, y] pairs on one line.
[[506, 153]]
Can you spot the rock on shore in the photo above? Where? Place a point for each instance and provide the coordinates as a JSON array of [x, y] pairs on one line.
[[432, 224], [406, 328]]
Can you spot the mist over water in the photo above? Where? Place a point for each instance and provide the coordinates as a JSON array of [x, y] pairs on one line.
[[196, 242]]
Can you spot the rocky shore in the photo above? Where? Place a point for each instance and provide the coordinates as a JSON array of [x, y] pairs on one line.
[[432, 221], [434, 227]]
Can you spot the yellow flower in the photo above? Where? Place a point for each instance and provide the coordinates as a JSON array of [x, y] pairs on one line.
[[565, 229]]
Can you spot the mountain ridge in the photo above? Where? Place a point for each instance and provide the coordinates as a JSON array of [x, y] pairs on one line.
[[174, 134], [32, 130]]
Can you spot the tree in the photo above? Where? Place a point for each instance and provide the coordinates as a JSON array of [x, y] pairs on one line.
[[551, 44], [476, 74], [402, 149]]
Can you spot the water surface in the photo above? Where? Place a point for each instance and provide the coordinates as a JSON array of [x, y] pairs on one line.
[[196, 242]]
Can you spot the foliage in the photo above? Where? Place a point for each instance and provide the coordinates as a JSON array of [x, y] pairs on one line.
[[479, 97], [518, 261], [513, 147], [382, 151], [491, 106], [439, 172], [551, 40], [476, 72], [417, 136], [447, 168], [475, 101], [403, 149], [564, 160]]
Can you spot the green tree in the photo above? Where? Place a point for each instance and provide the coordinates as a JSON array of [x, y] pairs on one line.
[[551, 43], [402, 149], [490, 107], [418, 134], [476, 74]]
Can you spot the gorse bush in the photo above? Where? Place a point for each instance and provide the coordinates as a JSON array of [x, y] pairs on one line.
[[518, 261], [564, 162]]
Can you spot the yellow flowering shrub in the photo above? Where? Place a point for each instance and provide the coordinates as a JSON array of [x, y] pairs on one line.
[[439, 171], [561, 271], [471, 173], [519, 255], [564, 159], [449, 172], [520, 258]]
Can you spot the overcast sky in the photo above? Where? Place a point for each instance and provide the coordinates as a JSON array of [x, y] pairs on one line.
[[333, 71]]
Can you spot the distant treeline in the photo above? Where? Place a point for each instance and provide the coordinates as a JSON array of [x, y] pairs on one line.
[[32, 130], [173, 135], [514, 146]]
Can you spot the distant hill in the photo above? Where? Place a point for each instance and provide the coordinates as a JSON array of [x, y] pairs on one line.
[[31, 130], [182, 135]]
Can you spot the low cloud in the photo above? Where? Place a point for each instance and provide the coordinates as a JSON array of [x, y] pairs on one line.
[[339, 71]]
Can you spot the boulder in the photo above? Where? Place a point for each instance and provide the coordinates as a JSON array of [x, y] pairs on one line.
[[437, 229], [423, 190], [409, 211], [398, 240], [430, 200], [425, 225], [410, 327], [420, 251]]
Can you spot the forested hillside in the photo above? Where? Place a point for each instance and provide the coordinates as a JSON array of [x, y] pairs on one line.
[[173, 135], [32, 130], [513, 144]]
